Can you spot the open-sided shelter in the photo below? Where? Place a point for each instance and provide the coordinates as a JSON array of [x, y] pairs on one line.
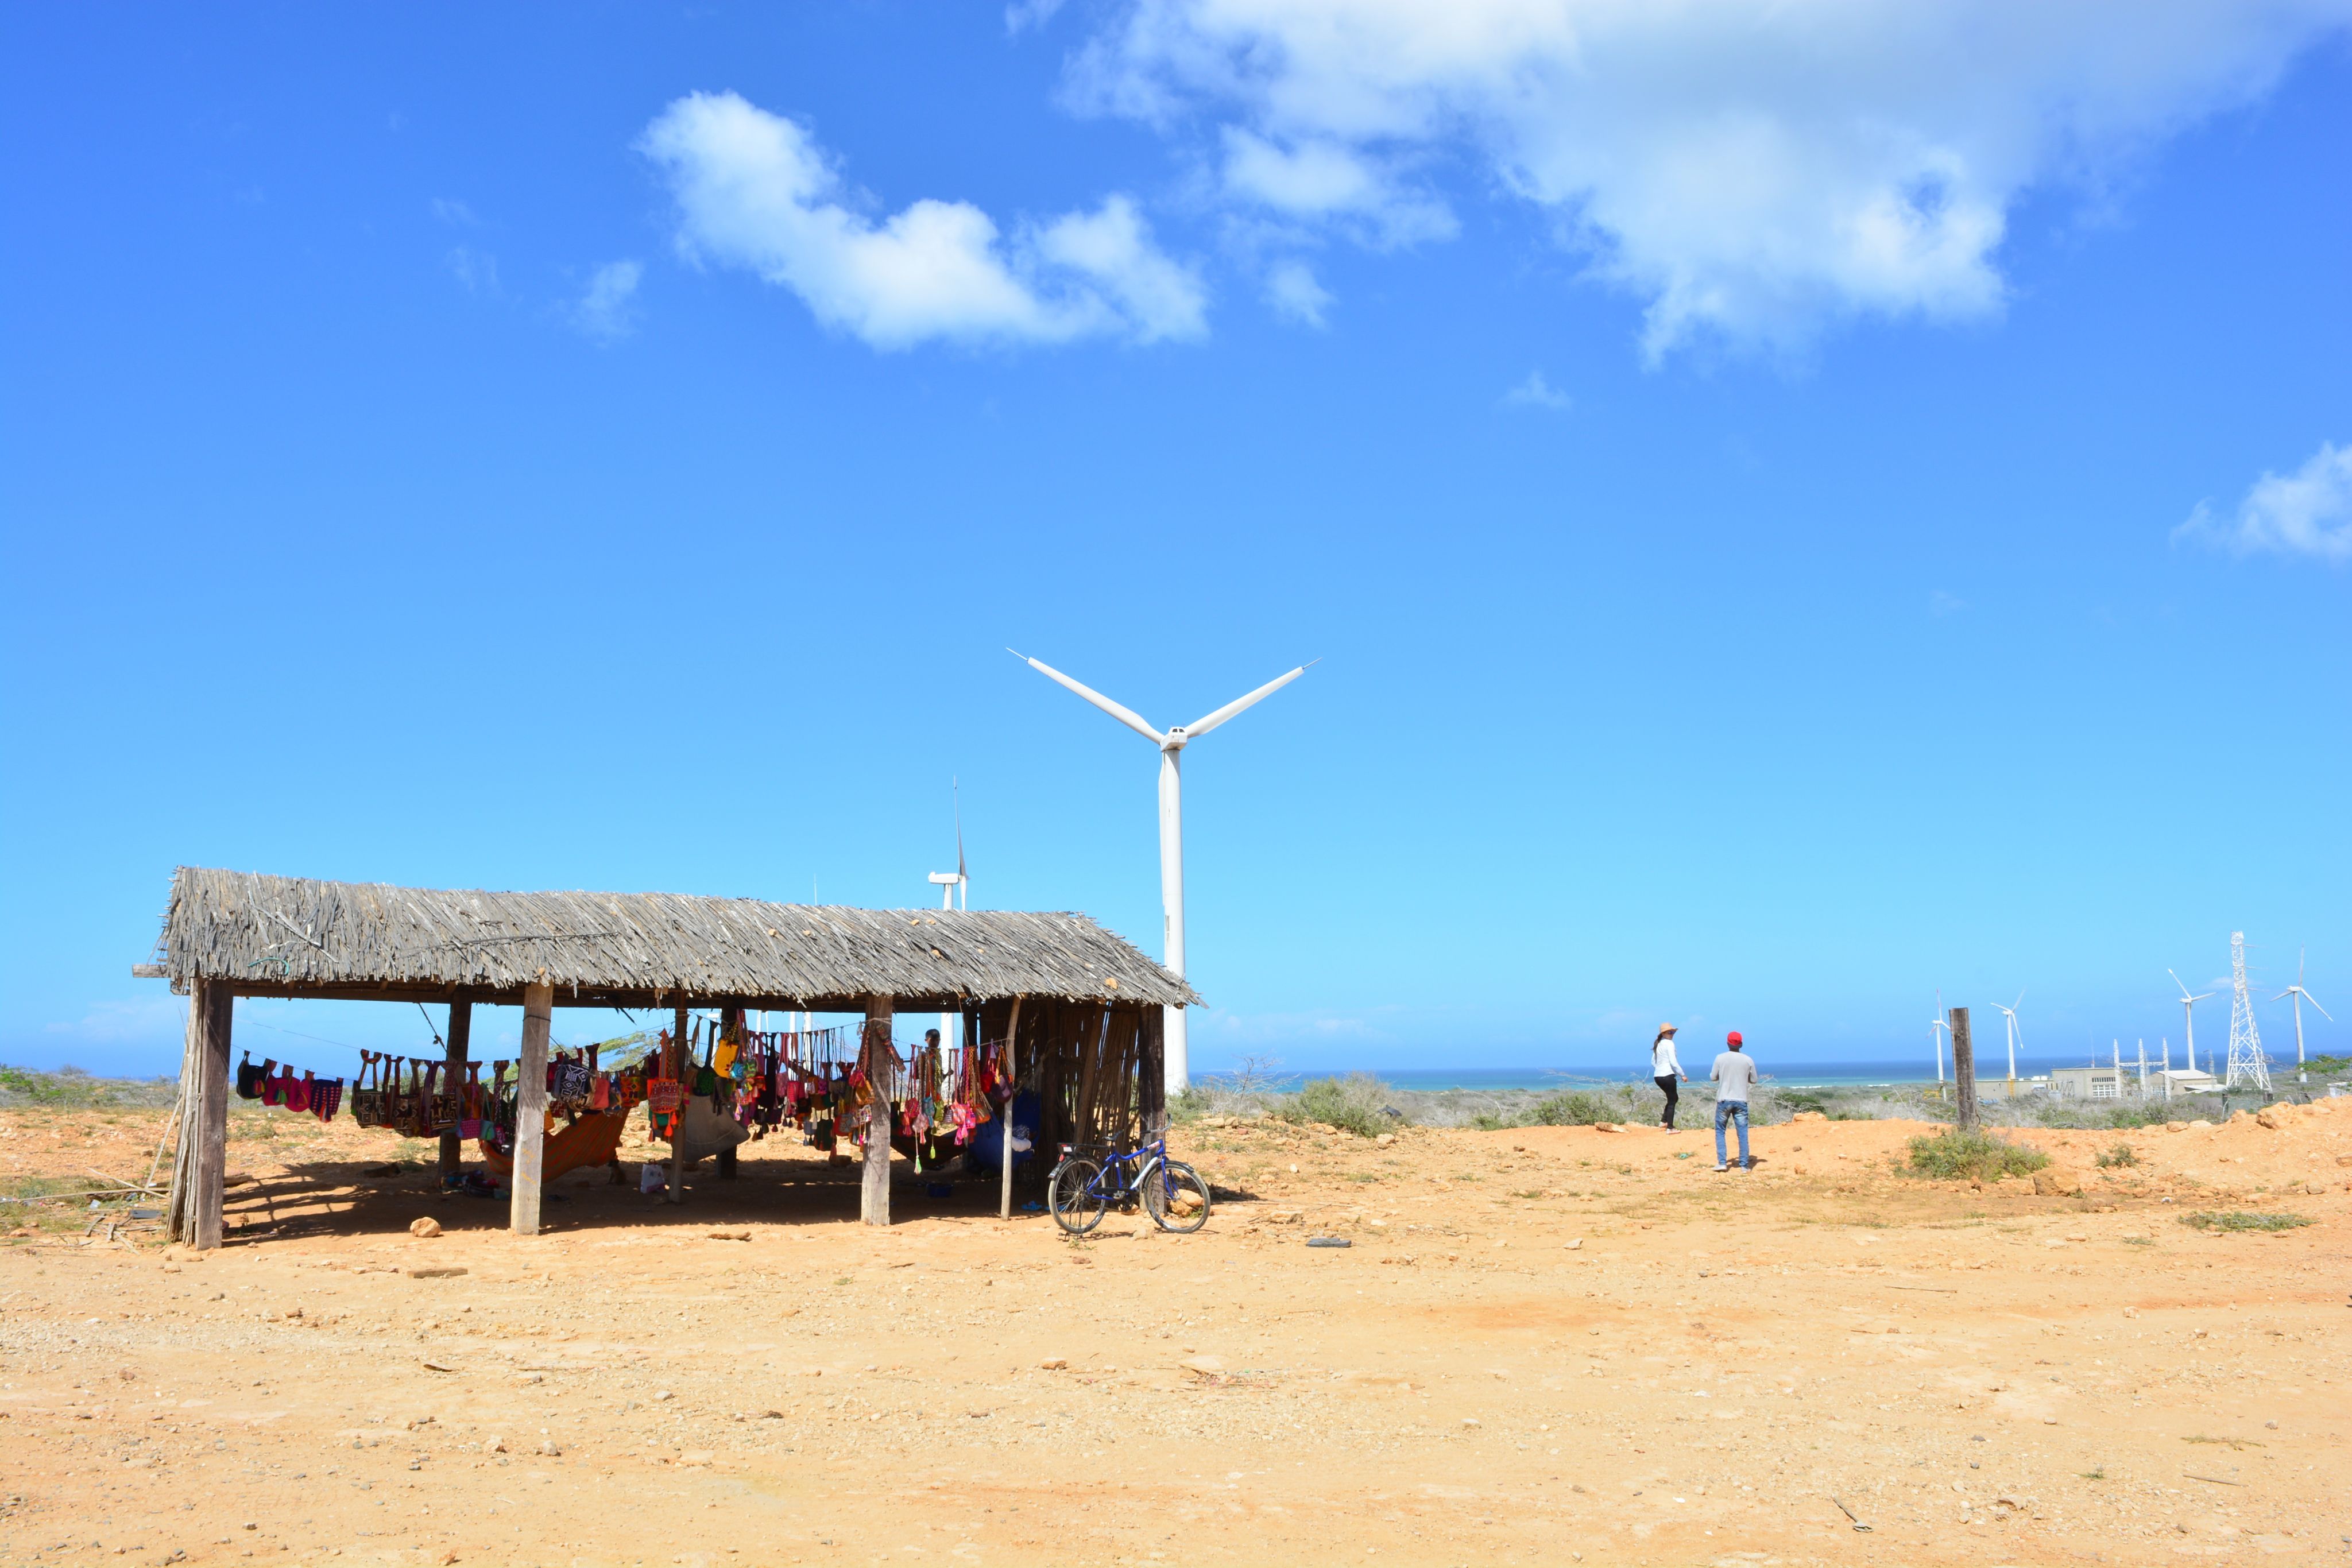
[[1082, 1008]]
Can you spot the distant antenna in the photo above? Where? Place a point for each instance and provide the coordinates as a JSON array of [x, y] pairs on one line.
[[2246, 1059]]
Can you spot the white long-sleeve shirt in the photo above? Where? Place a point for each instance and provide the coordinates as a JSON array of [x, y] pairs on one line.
[[1663, 1061]]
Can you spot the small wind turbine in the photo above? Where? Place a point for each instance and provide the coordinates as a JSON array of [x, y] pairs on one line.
[[2189, 1017], [2011, 1012], [1172, 744], [953, 885], [2301, 997], [1936, 1028]]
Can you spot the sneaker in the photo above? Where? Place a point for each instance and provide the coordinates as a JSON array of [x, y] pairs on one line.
[[1722, 1167]]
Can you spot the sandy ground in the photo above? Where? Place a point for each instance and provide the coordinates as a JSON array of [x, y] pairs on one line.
[[1549, 1345]]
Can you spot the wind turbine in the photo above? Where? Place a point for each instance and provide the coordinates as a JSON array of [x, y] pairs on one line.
[[2189, 1002], [2301, 997], [1937, 1028], [2011, 1012], [953, 885], [1178, 1072]]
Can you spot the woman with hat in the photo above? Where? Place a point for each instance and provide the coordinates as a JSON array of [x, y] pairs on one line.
[[1665, 1069]]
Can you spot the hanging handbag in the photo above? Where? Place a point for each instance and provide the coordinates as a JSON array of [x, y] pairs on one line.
[[249, 1079], [365, 1097], [449, 1099]]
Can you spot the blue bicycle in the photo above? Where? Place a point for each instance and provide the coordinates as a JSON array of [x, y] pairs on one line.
[[1092, 1180]]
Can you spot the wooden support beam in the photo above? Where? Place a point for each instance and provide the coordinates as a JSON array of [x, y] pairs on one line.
[[531, 1111], [213, 1004], [1005, 1117], [460, 1038], [1150, 1075], [682, 1059], [202, 1107], [1964, 1069], [730, 1028], [879, 1059]]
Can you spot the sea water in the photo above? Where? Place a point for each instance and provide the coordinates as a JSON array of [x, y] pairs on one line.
[[1790, 1075]]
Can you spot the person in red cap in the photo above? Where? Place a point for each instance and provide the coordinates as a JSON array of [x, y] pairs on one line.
[[1734, 1075]]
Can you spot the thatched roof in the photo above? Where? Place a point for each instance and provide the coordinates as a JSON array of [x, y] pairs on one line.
[[283, 935]]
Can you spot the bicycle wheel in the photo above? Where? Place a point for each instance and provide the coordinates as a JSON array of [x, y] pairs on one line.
[[1176, 1198], [1075, 1195]]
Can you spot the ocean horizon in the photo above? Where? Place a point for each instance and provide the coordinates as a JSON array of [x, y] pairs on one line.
[[1793, 1074]]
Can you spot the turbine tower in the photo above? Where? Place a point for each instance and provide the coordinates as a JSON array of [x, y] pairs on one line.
[[2301, 997], [2246, 1059], [2189, 1017], [1178, 1073]]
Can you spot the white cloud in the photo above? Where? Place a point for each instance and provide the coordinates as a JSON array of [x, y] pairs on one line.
[[754, 190], [114, 1022], [1751, 169], [2308, 512], [455, 213], [1291, 288], [476, 270], [1941, 603], [1321, 178], [1537, 392], [603, 310]]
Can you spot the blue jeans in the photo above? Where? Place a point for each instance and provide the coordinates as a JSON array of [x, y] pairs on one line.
[[1730, 1111]]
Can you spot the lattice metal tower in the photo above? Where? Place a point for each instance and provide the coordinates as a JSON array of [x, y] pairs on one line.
[[2247, 1063]]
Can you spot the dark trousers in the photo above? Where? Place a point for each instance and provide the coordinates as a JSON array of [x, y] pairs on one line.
[[1666, 1086]]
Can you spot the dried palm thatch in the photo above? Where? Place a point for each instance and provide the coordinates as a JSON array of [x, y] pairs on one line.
[[282, 936]]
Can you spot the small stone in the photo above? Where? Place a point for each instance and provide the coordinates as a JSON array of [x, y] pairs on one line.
[[494, 1445], [424, 1226], [1054, 1364], [1469, 1420], [696, 1459], [550, 1449], [1575, 1244], [1385, 1139], [662, 1394], [1202, 1365]]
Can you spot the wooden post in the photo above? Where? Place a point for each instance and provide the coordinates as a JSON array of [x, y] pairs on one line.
[[1151, 1073], [530, 1111], [200, 1174], [1964, 1069], [460, 1038], [731, 1027], [877, 1058], [1011, 1093], [675, 1191]]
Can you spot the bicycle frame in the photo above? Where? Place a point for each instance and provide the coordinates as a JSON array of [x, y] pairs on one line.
[[1147, 1160]]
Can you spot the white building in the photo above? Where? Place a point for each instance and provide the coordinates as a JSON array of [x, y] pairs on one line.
[[2087, 1083]]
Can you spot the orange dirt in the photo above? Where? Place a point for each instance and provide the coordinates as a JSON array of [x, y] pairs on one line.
[[1548, 1346]]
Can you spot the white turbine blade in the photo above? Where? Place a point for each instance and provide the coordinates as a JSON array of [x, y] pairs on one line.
[[1195, 730], [2314, 1002], [2175, 980], [1125, 715]]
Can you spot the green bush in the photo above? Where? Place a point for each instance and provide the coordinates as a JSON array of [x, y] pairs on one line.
[[2240, 1220], [1357, 1103], [2120, 1155], [1957, 1155], [1570, 1108]]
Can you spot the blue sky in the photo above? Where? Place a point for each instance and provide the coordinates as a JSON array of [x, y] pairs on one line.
[[1798, 507]]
